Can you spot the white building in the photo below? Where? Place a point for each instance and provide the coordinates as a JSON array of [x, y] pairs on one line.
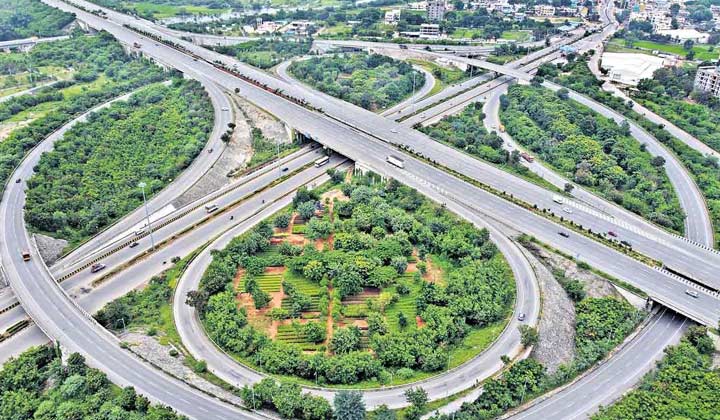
[[436, 10], [707, 79], [429, 31], [418, 5], [544, 10], [629, 69], [392, 17], [683, 35]]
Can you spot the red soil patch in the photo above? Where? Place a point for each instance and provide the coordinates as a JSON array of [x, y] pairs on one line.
[[419, 321]]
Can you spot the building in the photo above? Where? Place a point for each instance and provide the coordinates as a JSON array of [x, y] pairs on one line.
[[707, 79], [683, 35], [544, 10], [435, 10], [430, 31], [629, 69], [392, 17], [418, 5]]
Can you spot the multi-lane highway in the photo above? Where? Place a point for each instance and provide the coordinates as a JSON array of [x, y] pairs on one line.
[[356, 138]]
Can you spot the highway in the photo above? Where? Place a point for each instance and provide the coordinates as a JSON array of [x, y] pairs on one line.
[[609, 381], [597, 213], [56, 314], [456, 380], [60, 318], [81, 282], [354, 143]]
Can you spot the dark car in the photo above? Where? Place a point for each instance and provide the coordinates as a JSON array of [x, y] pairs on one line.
[[564, 234], [134, 244], [613, 234], [285, 169], [97, 267], [17, 181]]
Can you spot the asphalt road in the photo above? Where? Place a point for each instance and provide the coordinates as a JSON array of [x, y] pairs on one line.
[[614, 377], [369, 150], [60, 318]]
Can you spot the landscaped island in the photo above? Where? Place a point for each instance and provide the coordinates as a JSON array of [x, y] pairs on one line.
[[371, 81], [365, 284]]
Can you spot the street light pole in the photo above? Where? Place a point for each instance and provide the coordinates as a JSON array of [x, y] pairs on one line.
[[147, 215]]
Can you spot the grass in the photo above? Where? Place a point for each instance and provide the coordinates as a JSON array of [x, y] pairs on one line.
[[161, 11], [702, 51], [519, 36], [450, 76], [269, 283], [466, 33], [10, 84], [404, 305]]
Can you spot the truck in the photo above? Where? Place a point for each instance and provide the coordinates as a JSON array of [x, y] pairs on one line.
[[26, 255], [558, 199], [394, 160], [211, 208], [527, 157]]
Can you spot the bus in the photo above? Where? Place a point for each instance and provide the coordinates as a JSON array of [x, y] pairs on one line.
[[322, 161]]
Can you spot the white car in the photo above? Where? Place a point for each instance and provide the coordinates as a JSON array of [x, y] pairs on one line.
[[691, 293], [567, 210]]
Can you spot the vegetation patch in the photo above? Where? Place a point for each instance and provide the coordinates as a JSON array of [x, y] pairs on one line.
[[684, 385], [705, 169], [27, 18], [95, 57], [266, 53], [38, 385], [371, 81], [593, 151], [466, 131], [91, 177], [358, 302]]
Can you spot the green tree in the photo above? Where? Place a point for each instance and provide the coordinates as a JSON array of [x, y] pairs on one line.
[[349, 405]]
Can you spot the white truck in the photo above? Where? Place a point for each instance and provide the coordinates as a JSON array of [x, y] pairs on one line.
[[558, 199], [394, 160]]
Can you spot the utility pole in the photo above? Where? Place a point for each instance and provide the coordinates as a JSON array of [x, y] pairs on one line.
[[147, 215]]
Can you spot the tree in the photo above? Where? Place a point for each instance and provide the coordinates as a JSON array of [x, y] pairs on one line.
[[314, 332], [383, 413], [418, 399], [282, 220], [306, 210], [345, 340], [349, 405], [568, 187], [528, 335], [658, 161]]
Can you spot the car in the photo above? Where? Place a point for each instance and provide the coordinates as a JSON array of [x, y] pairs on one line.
[[17, 181], [394, 131], [626, 243], [521, 316], [97, 267], [567, 210], [26, 255], [285, 169], [613, 234], [564, 234], [226, 109], [133, 245], [691, 293]]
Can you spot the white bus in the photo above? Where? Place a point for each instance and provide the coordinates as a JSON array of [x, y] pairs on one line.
[[322, 161]]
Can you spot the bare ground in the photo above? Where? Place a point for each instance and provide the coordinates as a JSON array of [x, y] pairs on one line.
[[50, 248], [272, 128], [557, 322], [236, 154], [149, 348]]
